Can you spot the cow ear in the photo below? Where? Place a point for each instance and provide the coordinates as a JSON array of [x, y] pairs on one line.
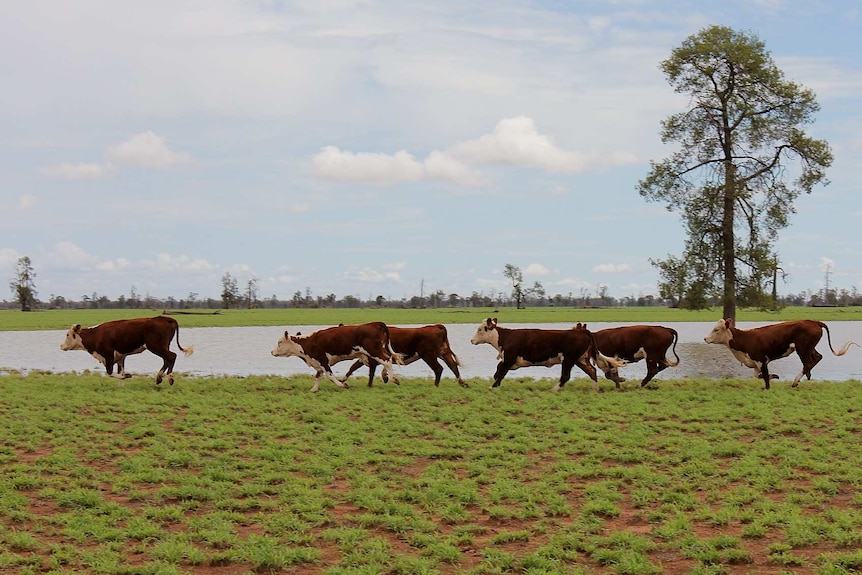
[[76, 328], [728, 323]]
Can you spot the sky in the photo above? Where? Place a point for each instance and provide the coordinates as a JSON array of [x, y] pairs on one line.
[[367, 148]]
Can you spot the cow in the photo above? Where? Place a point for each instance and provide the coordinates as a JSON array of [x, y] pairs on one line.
[[428, 343], [324, 348], [756, 347], [112, 341], [633, 343], [540, 347]]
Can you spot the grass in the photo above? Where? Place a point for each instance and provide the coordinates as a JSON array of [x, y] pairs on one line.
[[62, 319], [256, 475]]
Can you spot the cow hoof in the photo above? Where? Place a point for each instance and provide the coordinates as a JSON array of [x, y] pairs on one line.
[[463, 384]]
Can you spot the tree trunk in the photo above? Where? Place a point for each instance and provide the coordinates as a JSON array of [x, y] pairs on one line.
[[727, 248]]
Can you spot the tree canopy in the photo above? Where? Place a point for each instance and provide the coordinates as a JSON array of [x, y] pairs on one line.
[[23, 286], [742, 161]]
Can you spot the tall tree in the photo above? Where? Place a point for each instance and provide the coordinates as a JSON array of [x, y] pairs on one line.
[[24, 286], [738, 143], [514, 274], [230, 290]]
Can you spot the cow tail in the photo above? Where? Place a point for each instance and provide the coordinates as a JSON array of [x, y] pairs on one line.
[[841, 351], [593, 351], [397, 358], [673, 348], [450, 350], [186, 350]]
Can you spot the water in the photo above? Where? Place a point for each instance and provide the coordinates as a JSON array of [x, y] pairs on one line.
[[239, 351]]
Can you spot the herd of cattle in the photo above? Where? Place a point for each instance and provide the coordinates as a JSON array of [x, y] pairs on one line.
[[375, 343]]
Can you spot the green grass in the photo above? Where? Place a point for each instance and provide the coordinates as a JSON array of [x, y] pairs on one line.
[[62, 319], [257, 475]]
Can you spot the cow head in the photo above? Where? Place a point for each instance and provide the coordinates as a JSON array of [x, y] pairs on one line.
[[287, 346], [73, 339], [487, 333], [721, 332]]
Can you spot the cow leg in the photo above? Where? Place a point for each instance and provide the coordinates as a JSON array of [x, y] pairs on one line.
[[589, 369], [168, 360], [452, 363], [372, 367], [565, 375], [121, 368], [807, 366], [764, 374], [652, 369], [436, 368], [613, 374], [499, 374], [327, 369], [316, 385], [356, 365], [387, 371]]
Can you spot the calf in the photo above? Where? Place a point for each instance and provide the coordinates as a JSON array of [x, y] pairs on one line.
[[324, 348], [112, 341], [633, 343], [758, 346], [540, 347], [428, 343]]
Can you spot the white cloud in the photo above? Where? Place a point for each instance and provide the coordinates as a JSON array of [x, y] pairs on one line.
[[536, 270], [67, 171], [334, 164], [366, 275], [612, 268], [514, 142], [167, 263], [27, 201], [69, 256], [8, 257], [442, 166], [517, 142], [145, 149]]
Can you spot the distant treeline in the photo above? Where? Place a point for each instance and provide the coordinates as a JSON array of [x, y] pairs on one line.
[[438, 299]]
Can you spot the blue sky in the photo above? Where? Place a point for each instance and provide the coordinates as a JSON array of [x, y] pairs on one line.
[[360, 147]]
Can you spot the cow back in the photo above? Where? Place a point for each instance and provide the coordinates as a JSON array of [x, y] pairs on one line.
[[127, 335], [626, 341], [772, 341], [429, 339], [538, 345], [343, 340]]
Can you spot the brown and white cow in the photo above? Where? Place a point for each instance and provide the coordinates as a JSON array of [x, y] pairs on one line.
[[428, 343], [633, 343], [326, 347], [756, 347], [527, 347], [112, 341]]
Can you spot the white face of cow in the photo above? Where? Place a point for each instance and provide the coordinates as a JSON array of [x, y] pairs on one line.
[[287, 347], [73, 339], [720, 333], [487, 333]]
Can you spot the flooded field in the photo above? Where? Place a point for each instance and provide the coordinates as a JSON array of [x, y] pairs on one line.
[[239, 351]]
